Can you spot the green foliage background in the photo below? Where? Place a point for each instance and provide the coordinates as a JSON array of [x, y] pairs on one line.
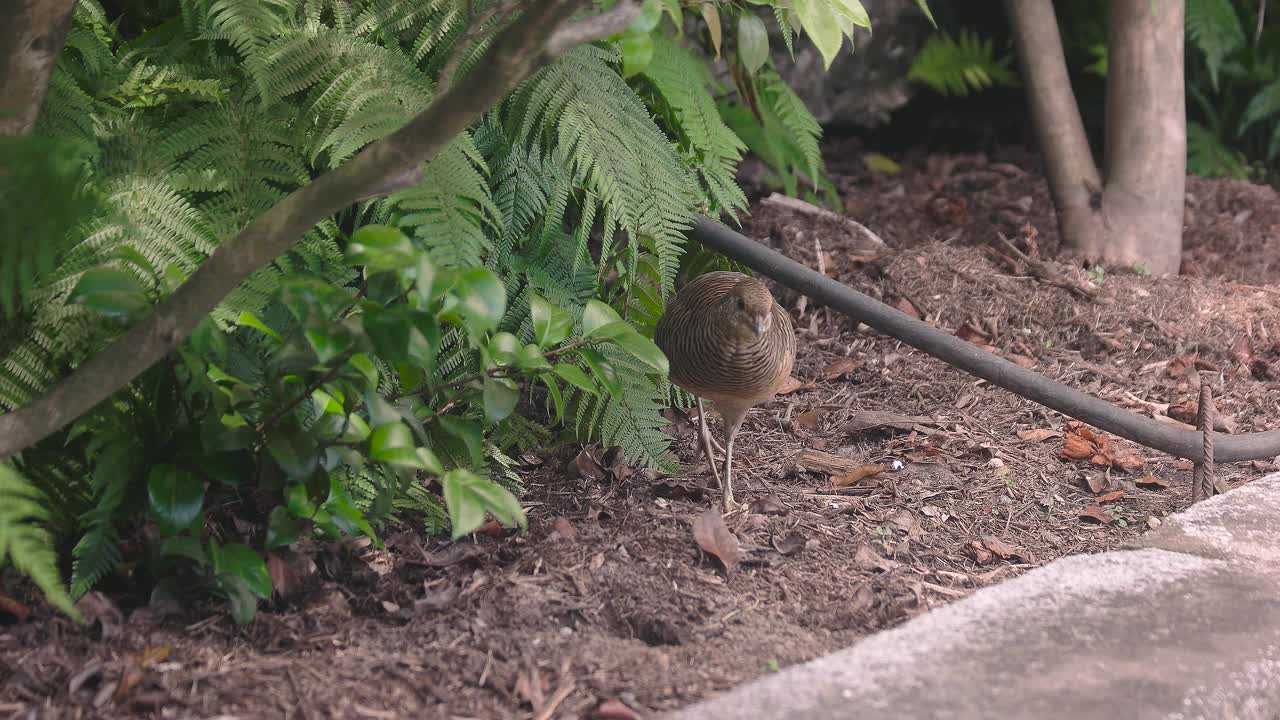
[[398, 355]]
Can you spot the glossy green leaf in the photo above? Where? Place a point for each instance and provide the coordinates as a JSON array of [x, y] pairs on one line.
[[469, 433], [500, 398], [551, 324], [637, 53], [503, 348], [822, 24], [574, 375], [345, 515], [362, 364], [644, 350], [647, 20], [530, 357], [753, 42], [294, 450], [597, 315], [282, 528], [424, 280], [109, 291], [389, 333], [482, 299], [393, 444], [553, 389], [470, 497], [250, 320], [185, 546], [603, 371], [381, 248], [175, 498]]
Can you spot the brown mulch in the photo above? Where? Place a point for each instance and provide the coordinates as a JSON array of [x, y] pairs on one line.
[[885, 485]]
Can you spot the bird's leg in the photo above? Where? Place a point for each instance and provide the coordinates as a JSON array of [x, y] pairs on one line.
[[705, 432], [702, 419], [733, 422]]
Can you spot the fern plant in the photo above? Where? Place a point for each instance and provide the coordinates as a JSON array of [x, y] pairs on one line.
[[376, 368], [962, 65]]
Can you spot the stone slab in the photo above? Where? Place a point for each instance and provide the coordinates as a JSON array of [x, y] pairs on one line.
[[1186, 627]]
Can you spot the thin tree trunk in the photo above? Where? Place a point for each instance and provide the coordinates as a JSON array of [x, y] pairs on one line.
[[32, 33], [1146, 143], [1135, 218]]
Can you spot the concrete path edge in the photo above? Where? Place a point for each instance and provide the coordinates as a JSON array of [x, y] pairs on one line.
[[1182, 624]]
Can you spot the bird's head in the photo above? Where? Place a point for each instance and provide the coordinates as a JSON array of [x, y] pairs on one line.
[[747, 310]]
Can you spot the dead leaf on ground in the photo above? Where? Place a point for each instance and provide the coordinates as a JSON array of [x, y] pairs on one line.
[[713, 537], [1001, 548], [12, 607], [587, 466], [865, 420], [1020, 360], [972, 334], [1184, 410], [614, 709], [97, 607], [1081, 443], [1112, 496], [839, 368], [561, 528], [1151, 482], [791, 385], [1037, 435], [1097, 513], [453, 554], [825, 462], [906, 306], [903, 520], [790, 544], [856, 475], [807, 420], [981, 554], [869, 559], [769, 504], [1097, 483]]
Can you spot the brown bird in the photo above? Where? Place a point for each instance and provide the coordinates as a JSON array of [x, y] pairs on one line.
[[727, 341]]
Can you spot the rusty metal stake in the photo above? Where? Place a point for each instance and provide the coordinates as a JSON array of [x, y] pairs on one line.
[[1203, 483]]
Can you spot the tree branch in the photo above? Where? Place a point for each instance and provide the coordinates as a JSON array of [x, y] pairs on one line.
[[1069, 164], [516, 53], [31, 39]]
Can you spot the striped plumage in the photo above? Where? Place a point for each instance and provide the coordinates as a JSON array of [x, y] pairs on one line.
[[729, 342]]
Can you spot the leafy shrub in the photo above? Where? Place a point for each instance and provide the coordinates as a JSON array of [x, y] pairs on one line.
[[386, 365]]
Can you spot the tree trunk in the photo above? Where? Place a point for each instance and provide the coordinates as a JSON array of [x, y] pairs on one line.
[[32, 34], [1132, 213]]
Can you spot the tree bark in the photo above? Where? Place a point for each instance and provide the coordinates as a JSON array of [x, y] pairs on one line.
[[1131, 214], [537, 39], [32, 34]]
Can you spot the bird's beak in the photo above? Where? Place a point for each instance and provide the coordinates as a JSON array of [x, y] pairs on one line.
[[760, 325]]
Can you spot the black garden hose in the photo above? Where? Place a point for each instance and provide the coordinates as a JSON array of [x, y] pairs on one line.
[[968, 357]]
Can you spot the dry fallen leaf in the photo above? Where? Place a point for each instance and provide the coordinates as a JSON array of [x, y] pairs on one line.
[[614, 709], [561, 528], [1037, 435], [980, 553], [790, 544], [1000, 547], [1184, 410], [791, 385], [906, 306], [1097, 513], [856, 475], [1151, 482], [12, 607], [1076, 447], [1097, 483], [1112, 496], [839, 367], [770, 504], [1020, 360], [807, 420], [586, 466], [869, 559], [713, 537]]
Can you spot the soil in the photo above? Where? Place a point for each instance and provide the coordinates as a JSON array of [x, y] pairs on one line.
[[883, 485]]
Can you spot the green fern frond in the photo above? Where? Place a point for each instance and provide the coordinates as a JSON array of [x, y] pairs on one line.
[[1214, 27], [1209, 156], [631, 421], [682, 80], [1264, 105], [25, 543], [961, 66]]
